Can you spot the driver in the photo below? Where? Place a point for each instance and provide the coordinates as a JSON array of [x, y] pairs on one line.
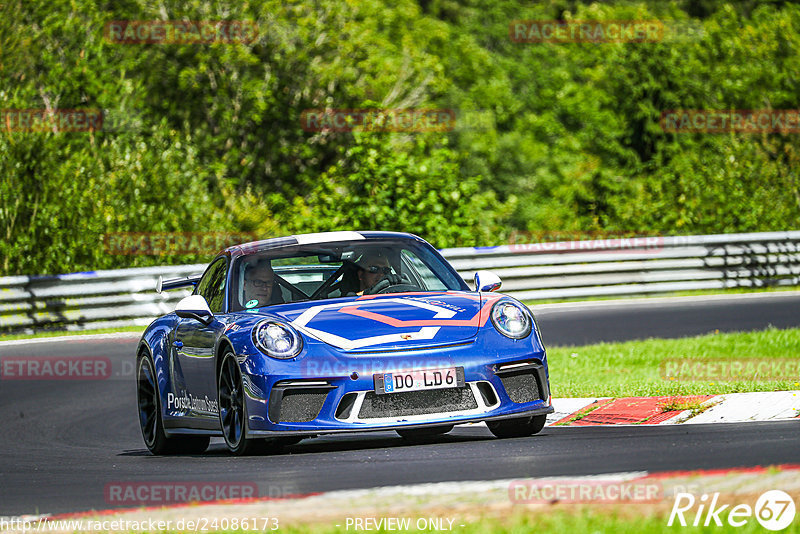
[[259, 282], [374, 268]]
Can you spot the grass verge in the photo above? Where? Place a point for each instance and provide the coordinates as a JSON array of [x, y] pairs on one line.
[[492, 506], [634, 368]]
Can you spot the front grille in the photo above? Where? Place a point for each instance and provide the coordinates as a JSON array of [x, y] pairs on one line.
[[417, 403], [521, 386]]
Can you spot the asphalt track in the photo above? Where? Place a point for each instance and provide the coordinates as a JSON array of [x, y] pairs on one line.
[[65, 441]]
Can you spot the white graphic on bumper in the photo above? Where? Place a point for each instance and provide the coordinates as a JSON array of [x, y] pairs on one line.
[[426, 332]]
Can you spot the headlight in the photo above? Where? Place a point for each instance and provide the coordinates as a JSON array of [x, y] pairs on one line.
[[511, 320], [278, 340]]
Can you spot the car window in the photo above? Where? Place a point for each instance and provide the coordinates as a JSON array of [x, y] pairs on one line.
[[331, 270], [423, 275], [212, 285]]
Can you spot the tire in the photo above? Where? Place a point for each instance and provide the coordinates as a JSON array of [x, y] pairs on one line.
[[233, 411], [150, 422], [421, 434], [517, 428]]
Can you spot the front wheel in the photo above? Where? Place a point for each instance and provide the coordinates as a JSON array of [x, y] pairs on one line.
[[517, 428], [233, 410], [150, 421]]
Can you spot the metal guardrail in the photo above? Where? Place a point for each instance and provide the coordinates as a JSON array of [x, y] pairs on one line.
[[637, 266], [530, 272], [95, 299]]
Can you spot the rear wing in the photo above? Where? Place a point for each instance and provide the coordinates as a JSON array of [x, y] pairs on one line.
[[176, 283]]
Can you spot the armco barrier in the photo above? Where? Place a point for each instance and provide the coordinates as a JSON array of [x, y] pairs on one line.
[[95, 299], [637, 266], [536, 271]]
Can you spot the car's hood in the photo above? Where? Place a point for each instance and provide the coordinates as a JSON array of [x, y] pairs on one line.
[[391, 322]]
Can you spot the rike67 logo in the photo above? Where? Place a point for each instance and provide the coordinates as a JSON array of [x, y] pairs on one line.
[[774, 510]]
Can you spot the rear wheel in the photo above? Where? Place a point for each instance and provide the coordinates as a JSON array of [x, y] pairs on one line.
[[517, 428], [150, 421], [233, 411], [417, 434]]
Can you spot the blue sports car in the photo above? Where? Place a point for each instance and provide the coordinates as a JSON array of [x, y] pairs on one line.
[[292, 337]]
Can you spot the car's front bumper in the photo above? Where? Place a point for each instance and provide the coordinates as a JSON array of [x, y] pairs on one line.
[[339, 395], [544, 410]]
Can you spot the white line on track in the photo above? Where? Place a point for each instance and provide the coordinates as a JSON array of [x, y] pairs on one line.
[[76, 337]]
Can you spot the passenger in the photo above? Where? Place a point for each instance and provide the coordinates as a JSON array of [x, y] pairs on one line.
[[259, 285]]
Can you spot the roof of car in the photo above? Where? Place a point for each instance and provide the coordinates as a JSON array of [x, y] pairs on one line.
[[316, 238]]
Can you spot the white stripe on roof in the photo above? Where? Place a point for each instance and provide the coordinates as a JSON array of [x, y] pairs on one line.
[[326, 237]]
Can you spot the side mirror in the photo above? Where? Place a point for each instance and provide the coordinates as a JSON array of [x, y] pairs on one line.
[[487, 281], [194, 307]]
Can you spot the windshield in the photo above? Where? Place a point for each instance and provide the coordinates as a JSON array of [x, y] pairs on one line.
[[340, 269]]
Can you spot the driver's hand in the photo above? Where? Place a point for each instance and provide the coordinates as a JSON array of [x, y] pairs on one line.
[[387, 281], [393, 279]]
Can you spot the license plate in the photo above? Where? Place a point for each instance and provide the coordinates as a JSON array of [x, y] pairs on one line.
[[450, 377]]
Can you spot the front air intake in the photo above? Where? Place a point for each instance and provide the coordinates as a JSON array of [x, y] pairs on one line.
[[521, 386], [297, 402], [524, 381]]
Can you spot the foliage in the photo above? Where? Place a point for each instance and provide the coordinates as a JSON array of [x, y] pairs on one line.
[[209, 136], [380, 185]]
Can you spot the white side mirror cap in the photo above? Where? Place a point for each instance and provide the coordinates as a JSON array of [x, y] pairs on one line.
[[487, 281], [194, 307]]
